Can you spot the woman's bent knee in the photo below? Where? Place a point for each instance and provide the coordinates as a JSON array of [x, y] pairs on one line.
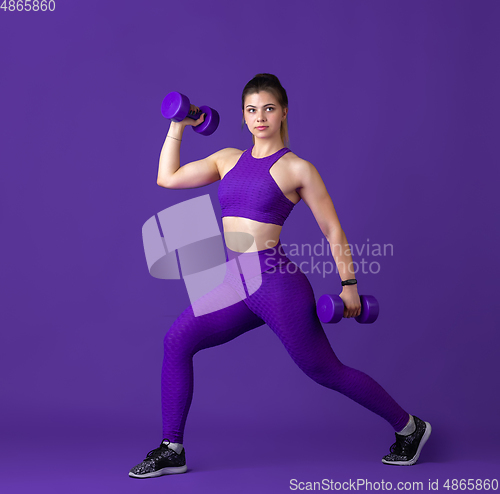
[[182, 334]]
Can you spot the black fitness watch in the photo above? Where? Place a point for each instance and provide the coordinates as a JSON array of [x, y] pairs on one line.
[[350, 282]]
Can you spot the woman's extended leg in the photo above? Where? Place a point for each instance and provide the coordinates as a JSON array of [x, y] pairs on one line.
[[286, 302], [189, 334]]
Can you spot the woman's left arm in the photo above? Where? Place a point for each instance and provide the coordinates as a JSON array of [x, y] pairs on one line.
[[313, 192]]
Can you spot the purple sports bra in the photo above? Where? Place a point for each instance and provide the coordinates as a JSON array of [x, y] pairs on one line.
[[248, 190]]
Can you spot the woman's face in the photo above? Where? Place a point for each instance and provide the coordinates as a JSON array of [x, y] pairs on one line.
[[263, 114]]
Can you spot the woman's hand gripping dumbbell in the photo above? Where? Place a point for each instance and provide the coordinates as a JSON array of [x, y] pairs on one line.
[[176, 106], [330, 309]]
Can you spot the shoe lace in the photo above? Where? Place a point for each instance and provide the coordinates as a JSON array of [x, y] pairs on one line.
[[398, 447], [157, 451]]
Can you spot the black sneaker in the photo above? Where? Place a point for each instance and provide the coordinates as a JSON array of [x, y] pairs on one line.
[[406, 449], [160, 461]]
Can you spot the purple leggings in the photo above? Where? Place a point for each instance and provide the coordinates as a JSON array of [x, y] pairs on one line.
[[259, 288]]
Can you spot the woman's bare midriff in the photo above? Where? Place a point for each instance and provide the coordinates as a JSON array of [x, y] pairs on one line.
[[244, 234]]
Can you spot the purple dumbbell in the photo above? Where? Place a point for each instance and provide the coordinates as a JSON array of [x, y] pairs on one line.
[[330, 309], [176, 107]]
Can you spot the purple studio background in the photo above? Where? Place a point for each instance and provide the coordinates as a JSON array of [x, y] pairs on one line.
[[395, 103]]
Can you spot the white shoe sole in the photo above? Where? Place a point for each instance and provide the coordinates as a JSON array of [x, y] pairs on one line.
[[159, 473], [412, 461]]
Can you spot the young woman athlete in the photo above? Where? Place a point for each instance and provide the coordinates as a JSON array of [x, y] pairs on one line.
[[259, 188]]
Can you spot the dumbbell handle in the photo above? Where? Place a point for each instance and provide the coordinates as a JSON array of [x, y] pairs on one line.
[[194, 116]]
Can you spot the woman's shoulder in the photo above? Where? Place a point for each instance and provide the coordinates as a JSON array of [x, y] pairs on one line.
[[231, 152], [297, 164], [227, 158]]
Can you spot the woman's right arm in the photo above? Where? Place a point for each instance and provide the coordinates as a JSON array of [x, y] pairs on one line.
[[196, 174]]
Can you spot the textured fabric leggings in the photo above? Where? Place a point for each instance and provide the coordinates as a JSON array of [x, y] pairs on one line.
[[259, 288]]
